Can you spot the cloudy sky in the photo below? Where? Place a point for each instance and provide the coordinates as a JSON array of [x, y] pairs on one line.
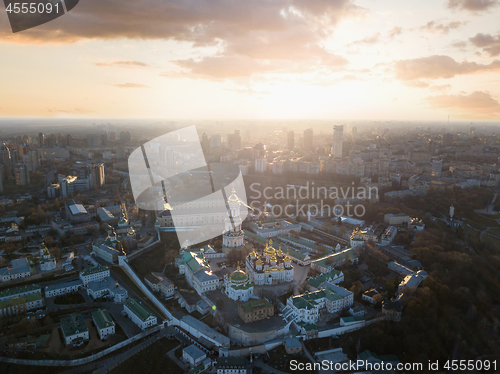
[[232, 59]]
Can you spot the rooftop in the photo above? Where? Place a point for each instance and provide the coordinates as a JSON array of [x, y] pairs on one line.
[[18, 300], [252, 305], [63, 285], [73, 324], [102, 319], [17, 290], [139, 309], [93, 270], [193, 351], [77, 209]]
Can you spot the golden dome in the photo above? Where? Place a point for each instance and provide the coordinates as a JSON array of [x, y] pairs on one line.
[[274, 268], [266, 271], [273, 258], [259, 262], [253, 254], [281, 269], [233, 198], [287, 258]]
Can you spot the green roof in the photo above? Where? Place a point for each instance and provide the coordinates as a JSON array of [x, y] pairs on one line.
[[18, 290], [308, 326], [102, 318], [93, 270], [140, 310], [239, 275], [252, 305], [296, 254], [316, 282], [255, 237], [73, 324], [20, 300], [308, 300], [299, 241]]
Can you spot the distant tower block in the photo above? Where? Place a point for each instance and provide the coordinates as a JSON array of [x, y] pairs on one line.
[[337, 141], [452, 212]]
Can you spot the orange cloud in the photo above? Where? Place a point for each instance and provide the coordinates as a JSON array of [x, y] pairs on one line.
[[443, 28], [122, 64], [478, 103], [472, 5], [489, 43], [130, 85], [439, 66]]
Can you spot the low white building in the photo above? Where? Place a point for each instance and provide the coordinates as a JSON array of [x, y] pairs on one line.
[[158, 282], [411, 282], [193, 356], [74, 328], [400, 269], [21, 304], [104, 323], [389, 235], [370, 296], [63, 288], [94, 274], [19, 268], [198, 272], [232, 365], [20, 291], [139, 314], [109, 288], [306, 307]]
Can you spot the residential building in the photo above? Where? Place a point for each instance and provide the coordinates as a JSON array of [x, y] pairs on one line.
[[20, 291], [192, 355], [22, 174], [370, 296], [74, 329], [104, 323], [389, 235], [306, 307], [19, 268], [334, 276], [63, 288], [139, 314], [107, 287], [21, 304], [255, 310], [400, 269], [105, 253], [327, 263], [337, 141], [94, 274], [271, 229], [197, 272], [232, 365], [396, 219], [158, 282]]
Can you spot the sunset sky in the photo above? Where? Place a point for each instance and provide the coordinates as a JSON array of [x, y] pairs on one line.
[[261, 59]]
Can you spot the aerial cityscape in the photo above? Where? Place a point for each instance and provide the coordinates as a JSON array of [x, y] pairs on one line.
[[250, 187]]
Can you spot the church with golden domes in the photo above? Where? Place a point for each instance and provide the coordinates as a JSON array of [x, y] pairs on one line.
[[272, 267], [357, 239], [238, 286]]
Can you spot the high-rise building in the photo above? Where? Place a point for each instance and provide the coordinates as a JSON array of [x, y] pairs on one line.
[[259, 151], [126, 137], [205, 144], [260, 165], [290, 140], [447, 139], [6, 161], [308, 139], [41, 140], [338, 131], [233, 142], [94, 140], [22, 174], [436, 168]]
